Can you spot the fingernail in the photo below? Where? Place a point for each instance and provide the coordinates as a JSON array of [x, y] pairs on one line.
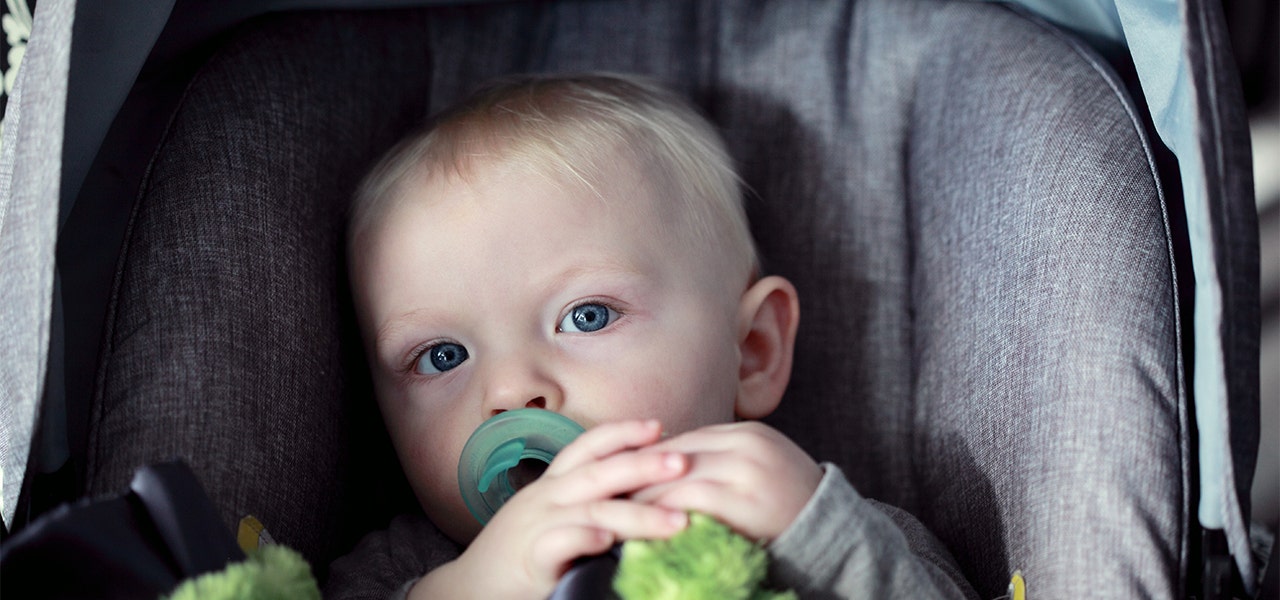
[[673, 462], [678, 519], [653, 424]]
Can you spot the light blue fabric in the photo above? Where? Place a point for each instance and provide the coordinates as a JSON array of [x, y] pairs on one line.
[[1155, 33], [1094, 20]]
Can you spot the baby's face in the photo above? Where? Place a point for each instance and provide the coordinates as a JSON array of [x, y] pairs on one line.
[[509, 290]]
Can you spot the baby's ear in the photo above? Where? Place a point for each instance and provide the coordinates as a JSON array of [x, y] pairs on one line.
[[768, 315]]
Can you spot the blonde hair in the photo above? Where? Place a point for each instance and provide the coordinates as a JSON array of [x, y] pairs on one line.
[[567, 126]]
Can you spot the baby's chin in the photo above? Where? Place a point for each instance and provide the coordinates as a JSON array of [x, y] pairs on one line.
[[452, 520], [461, 531]]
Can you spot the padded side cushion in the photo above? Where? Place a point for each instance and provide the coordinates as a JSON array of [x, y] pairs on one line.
[[230, 342], [1051, 416]]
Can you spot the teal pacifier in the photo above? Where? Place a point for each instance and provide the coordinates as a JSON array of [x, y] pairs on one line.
[[508, 452]]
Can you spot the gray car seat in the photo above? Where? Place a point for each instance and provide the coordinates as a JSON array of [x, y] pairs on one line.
[[986, 239]]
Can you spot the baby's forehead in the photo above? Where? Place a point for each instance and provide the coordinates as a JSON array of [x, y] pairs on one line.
[[622, 194], [617, 181]]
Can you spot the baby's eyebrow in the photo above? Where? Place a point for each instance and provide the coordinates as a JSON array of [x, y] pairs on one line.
[[595, 269], [393, 326], [607, 270]]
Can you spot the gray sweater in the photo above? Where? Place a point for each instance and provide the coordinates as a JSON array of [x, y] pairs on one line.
[[841, 545]]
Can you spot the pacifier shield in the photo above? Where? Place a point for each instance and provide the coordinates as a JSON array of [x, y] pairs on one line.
[[508, 452]]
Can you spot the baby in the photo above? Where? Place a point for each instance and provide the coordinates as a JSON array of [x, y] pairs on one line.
[[579, 245]]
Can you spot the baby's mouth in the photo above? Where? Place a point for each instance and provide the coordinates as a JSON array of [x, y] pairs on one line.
[[525, 472]]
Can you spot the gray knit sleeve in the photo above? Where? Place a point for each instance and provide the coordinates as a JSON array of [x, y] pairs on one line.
[[842, 545]]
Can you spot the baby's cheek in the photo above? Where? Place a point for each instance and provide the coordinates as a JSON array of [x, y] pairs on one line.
[[701, 384], [418, 469], [433, 474], [708, 396], [424, 456], [682, 408]]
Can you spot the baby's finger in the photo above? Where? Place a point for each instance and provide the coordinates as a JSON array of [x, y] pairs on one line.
[[632, 520], [614, 475], [726, 437], [603, 441], [552, 553], [691, 494], [753, 497], [720, 468], [595, 526], [742, 512]]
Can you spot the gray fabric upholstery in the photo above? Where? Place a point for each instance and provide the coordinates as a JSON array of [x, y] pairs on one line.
[[1047, 386], [29, 175], [225, 346], [963, 198]]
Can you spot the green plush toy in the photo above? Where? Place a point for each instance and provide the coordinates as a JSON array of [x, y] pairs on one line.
[[705, 561], [270, 573]]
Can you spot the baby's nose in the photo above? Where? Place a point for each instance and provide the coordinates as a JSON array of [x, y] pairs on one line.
[[514, 385], [539, 402]]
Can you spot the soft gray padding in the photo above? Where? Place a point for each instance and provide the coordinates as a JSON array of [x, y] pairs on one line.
[[229, 342], [988, 335], [1051, 422]]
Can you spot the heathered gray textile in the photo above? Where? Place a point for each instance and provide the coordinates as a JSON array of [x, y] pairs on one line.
[[30, 172], [1047, 381], [230, 343]]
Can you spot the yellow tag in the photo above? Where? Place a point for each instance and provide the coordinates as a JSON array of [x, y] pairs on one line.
[[252, 534], [1017, 587]]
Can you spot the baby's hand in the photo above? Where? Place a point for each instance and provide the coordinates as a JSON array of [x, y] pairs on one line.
[[749, 475], [573, 510]]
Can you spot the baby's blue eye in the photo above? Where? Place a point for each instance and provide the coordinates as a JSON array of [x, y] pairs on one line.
[[440, 358], [586, 318]]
